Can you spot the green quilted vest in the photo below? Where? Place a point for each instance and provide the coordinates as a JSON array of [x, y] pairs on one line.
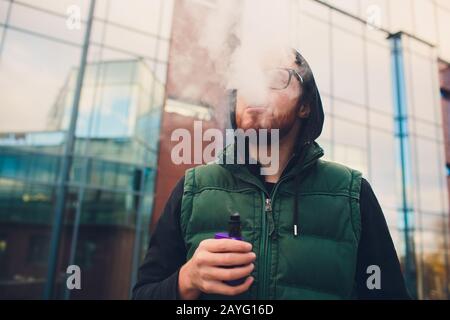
[[318, 263]]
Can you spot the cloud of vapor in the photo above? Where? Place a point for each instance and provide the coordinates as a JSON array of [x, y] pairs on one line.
[[246, 37]]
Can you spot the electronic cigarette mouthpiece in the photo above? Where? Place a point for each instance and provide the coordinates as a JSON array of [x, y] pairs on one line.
[[234, 226]]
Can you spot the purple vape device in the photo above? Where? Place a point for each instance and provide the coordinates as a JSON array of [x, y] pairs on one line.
[[234, 232]]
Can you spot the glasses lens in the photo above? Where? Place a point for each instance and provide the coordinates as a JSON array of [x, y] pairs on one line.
[[277, 78]]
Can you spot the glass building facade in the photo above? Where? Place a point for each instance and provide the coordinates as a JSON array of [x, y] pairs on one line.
[[109, 193], [376, 65], [384, 117]]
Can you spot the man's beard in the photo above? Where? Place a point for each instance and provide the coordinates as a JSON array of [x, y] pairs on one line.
[[282, 133]]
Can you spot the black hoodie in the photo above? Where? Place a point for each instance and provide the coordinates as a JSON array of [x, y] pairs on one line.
[[158, 274]]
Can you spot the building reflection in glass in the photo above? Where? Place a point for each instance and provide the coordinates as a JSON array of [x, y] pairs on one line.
[[115, 150]]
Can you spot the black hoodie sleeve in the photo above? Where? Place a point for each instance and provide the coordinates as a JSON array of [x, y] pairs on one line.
[[158, 274], [376, 248]]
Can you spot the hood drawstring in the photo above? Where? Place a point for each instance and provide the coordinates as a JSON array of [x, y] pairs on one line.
[[297, 191]]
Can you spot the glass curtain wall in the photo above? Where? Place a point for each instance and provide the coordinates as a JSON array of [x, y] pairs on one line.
[[109, 194]]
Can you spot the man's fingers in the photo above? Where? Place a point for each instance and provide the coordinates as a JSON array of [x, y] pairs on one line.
[[218, 287], [227, 259], [225, 245], [227, 274]]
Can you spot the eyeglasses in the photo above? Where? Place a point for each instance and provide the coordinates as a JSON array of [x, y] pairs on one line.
[[280, 78]]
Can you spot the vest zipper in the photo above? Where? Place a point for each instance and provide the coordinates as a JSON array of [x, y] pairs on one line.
[[265, 245], [263, 248]]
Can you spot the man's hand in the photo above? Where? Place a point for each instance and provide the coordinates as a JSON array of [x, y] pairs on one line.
[[204, 272]]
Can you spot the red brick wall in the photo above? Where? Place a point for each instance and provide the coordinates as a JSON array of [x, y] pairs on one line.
[[191, 78]]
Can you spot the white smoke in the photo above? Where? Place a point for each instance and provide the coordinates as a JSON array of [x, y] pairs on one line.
[[252, 35]]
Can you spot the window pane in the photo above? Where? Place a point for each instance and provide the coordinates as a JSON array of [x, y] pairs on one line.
[[401, 15], [351, 112], [314, 44], [139, 14], [350, 133], [384, 175], [4, 6], [381, 121], [348, 76], [60, 6], [422, 89], [429, 176], [379, 77], [26, 215], [353, 157], [313, 8], [423, 14], [47, 65], [346, 23], [443, 22], [351, 6], [105, 244], [434, 276], [427, 130], [32, 20]]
